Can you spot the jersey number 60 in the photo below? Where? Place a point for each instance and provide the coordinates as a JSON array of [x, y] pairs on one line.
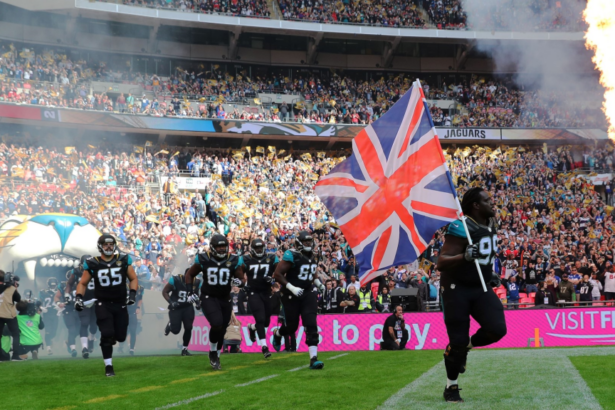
[[216, 276]]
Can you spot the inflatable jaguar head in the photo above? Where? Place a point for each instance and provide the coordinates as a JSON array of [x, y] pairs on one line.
[[50, 243]]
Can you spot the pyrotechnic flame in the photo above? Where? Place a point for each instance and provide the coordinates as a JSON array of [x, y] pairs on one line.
[[600, 38]]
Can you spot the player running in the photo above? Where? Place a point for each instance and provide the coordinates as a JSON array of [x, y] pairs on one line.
[[180, 310], [63, 300], [50, 316], [461, 289], [295, 273], [87, 317], [109, 271], [259, 270], [218, 266]]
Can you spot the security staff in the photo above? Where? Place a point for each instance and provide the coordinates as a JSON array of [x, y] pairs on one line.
[[9, 297], [365, 300]]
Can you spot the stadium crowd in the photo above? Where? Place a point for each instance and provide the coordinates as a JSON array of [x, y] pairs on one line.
[[243, 8], [552, 220]]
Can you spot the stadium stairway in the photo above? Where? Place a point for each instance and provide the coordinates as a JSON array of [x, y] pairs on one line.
[[276, 13]]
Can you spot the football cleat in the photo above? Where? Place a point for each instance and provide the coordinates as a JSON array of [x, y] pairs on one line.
[[73, 353], [214, 360], [252, 334], [85, 353], [266, 352], [185, 352], [17, 359], [109, 371], [132, 352], [277, 340], [167, 329], [91, 346], [49, 352], [451, 394], [316, 364]]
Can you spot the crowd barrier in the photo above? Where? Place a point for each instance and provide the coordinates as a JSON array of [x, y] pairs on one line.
[[346, 332]]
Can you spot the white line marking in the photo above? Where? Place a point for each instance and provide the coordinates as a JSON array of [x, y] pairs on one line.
[[299, 368], [338, 356], [187, 401], [483, 382], [262, 379]]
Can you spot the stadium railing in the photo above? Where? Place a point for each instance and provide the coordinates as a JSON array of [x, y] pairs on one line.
[[149, 6]]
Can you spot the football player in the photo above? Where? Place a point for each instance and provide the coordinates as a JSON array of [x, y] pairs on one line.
[[180, 310], [296, 274], [259, 269], [461, 290], [133, 318], [109, 271], [87, 317], [63, 299], [50, 317], [221, 271]]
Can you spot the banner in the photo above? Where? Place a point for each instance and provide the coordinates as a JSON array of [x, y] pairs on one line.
[[600, 179], [469, 133], [556, 327], [189, 183]]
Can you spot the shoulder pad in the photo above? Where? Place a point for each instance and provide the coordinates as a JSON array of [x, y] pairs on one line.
[[122, 256], [203, 258], [455, 228]]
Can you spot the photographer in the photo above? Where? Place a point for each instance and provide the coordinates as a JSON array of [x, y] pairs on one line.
[[9, 297], [394, 332]]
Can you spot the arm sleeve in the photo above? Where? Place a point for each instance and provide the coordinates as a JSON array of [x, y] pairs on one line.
[[85, 266], [288, 257], [276, 260], [239, 262], [196, 259], [129, 260], [455, 228], [172, 281]]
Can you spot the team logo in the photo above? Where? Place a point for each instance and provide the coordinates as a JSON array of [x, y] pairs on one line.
[[268, 260], [119, 263], [228, 264]]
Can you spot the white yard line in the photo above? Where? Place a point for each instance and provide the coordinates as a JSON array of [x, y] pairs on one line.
[[262, 379], [506, 379], [299, 368], [187, 401], [338, 356]]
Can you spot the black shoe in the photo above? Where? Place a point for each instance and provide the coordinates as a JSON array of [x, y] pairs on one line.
[[316, 364], [17, 359], [185, 352], [252, 334], [277, 340], [213, 360], [451, 394], [109, 371], [266, 352], [73, 353], [167, 329], [91, 346], [132, 352], [85, 353]]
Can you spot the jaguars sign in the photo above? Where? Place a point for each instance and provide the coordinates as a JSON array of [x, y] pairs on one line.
[[45, 240]]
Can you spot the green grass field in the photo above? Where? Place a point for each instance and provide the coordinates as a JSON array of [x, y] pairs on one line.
[[579, 378]]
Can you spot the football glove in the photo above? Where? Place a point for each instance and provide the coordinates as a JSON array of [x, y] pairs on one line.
[[79, 306], [495, 281], [236, 282], [192, 298], [173, 305], [472, 253], [197, 304], [67, 298], [132, 295], [295, 290], [320, 286]]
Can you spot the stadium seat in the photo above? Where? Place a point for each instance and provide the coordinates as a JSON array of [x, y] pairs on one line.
[[526, 303], [522, 295], [532, 295]]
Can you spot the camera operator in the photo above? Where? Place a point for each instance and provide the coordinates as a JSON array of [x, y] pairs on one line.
[[9, 297]]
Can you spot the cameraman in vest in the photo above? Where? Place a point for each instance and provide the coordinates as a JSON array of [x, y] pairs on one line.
[[9, 297]]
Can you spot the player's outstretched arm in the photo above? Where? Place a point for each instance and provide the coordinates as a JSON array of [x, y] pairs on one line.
[[240, 276], [83, 283], [165, 292], [453, 253], [132, 277], [69, 284], [280, 272]]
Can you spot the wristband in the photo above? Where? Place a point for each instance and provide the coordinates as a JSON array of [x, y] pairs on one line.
[[133, 294]]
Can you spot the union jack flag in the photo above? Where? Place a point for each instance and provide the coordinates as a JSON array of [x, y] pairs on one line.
[[395, 191]]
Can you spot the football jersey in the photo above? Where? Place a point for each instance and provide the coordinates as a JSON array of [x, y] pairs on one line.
[[259, 272], [89, 290], [179, 293], [303, 269], [486, 238], [585, 291], [109, 277], [46, 297], [217, 275]]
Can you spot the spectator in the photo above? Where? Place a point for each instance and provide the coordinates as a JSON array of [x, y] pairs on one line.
[[394, 332], [513, 291], [351, 300], [566, 292]]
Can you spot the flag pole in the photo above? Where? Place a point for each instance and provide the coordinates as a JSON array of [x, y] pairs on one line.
[[460, 214]]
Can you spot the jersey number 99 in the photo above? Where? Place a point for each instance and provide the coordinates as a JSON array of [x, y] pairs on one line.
[[109, 277], [307, 272], [216, 276], [487, 247]]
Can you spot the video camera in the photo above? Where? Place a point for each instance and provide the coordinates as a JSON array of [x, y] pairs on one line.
[[10, 279]]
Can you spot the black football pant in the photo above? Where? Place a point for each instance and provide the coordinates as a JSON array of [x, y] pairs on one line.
[[112, 320], [458, 305], [71, 320], [185, 316], [260, 306], [390, 344], [13, 327], [51, 326], [87, 318], [218, 312], [304, 307]]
